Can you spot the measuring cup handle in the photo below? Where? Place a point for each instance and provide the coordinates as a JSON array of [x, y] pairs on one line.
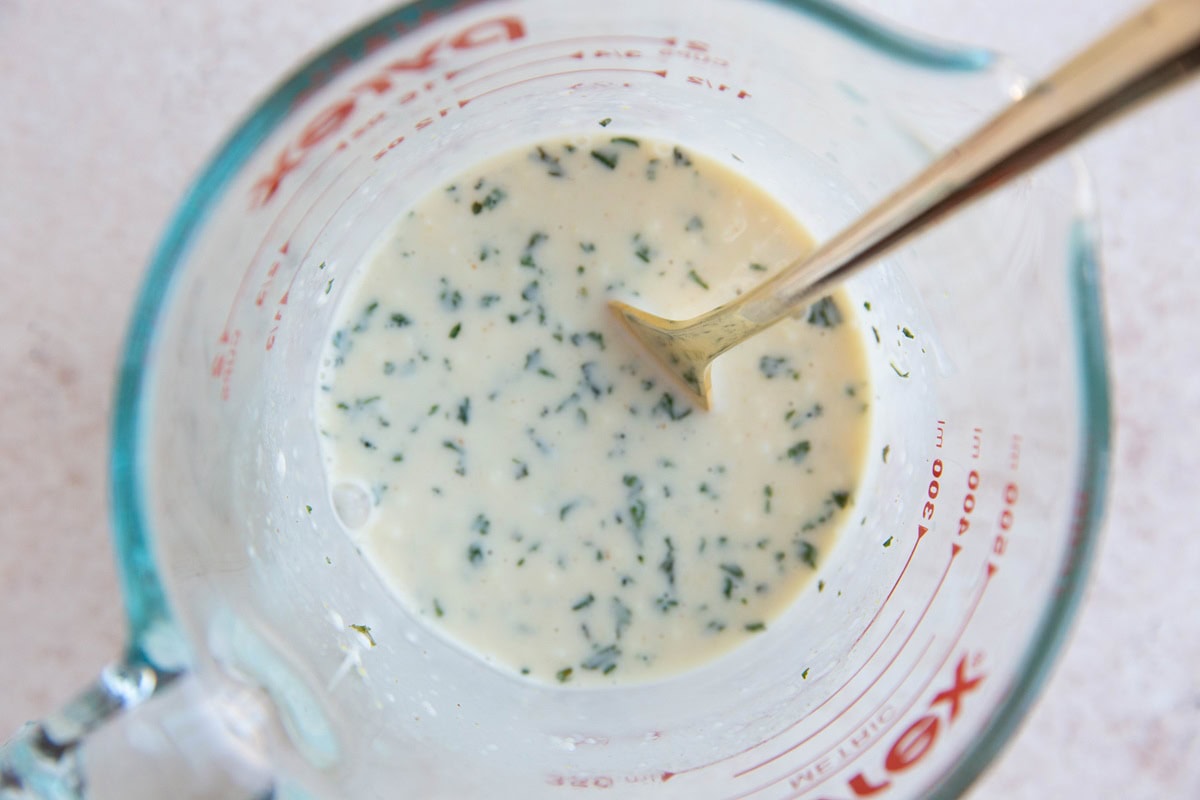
[[138, 734]]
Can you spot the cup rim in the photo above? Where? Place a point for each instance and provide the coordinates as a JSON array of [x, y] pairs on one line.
[[148, 612]]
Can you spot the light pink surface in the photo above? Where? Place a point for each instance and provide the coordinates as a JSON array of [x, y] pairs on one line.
[[108, 108]]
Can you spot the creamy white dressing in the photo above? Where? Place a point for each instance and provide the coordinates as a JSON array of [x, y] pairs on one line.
[[538, 492]]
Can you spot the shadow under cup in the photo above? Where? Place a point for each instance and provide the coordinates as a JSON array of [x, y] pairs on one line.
[[946, 596]]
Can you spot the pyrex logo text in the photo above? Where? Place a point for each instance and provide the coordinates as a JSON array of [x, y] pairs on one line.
[[333, 118], [917, 740]]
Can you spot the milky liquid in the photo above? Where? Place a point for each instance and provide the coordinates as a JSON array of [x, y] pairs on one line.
[[531, 486]]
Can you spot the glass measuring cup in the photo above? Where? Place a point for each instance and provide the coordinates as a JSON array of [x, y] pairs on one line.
[[216, 455]]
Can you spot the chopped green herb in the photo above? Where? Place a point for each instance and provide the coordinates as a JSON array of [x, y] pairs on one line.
[[553, 166], [907, 333], [666, 405], [604, 123], [754, 265], [567, 509], [584, 602], [840, 499], [799, 450], [456, 330], [475, 554], [824, 313], [897, 370], [626, 140], [755, 627], [535, 239], [399, 321], [696, 279], [804, 675], [768, 493], [464, 411], [888, 541], [490, 201], [308, 509], [773, 366], [437, 608], [564, 674], [637, 514], [622, 616], [641, 249], [681, 159], [450, 297], [667, 565], [603, 659], [606, 157], [461, 466], [733, 570], [887, 448], [590, 380], [807, 553], [694, 224], [365, 631]]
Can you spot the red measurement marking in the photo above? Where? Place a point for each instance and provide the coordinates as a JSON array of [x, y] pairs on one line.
[[921, 531], [272, 234], [798, 722], [366, 126], [581, 781], [837, 716], [576, 56], [662, 73], [968, 504], [261, 297], [954, 551], [223, 363], [974, 605], [304, 259], [797, 776], [895, 761], [575, 41], [329, 121], [697, 80]]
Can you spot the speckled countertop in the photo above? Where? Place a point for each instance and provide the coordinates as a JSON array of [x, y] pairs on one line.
[[107, 108]]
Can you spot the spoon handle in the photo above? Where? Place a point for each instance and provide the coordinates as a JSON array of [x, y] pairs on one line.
[[1155, 49]]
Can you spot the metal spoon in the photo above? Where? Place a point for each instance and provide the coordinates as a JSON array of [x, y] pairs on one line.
[[1150, 52]]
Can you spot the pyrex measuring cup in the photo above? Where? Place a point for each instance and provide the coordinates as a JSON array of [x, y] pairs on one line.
[[267, 659]]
